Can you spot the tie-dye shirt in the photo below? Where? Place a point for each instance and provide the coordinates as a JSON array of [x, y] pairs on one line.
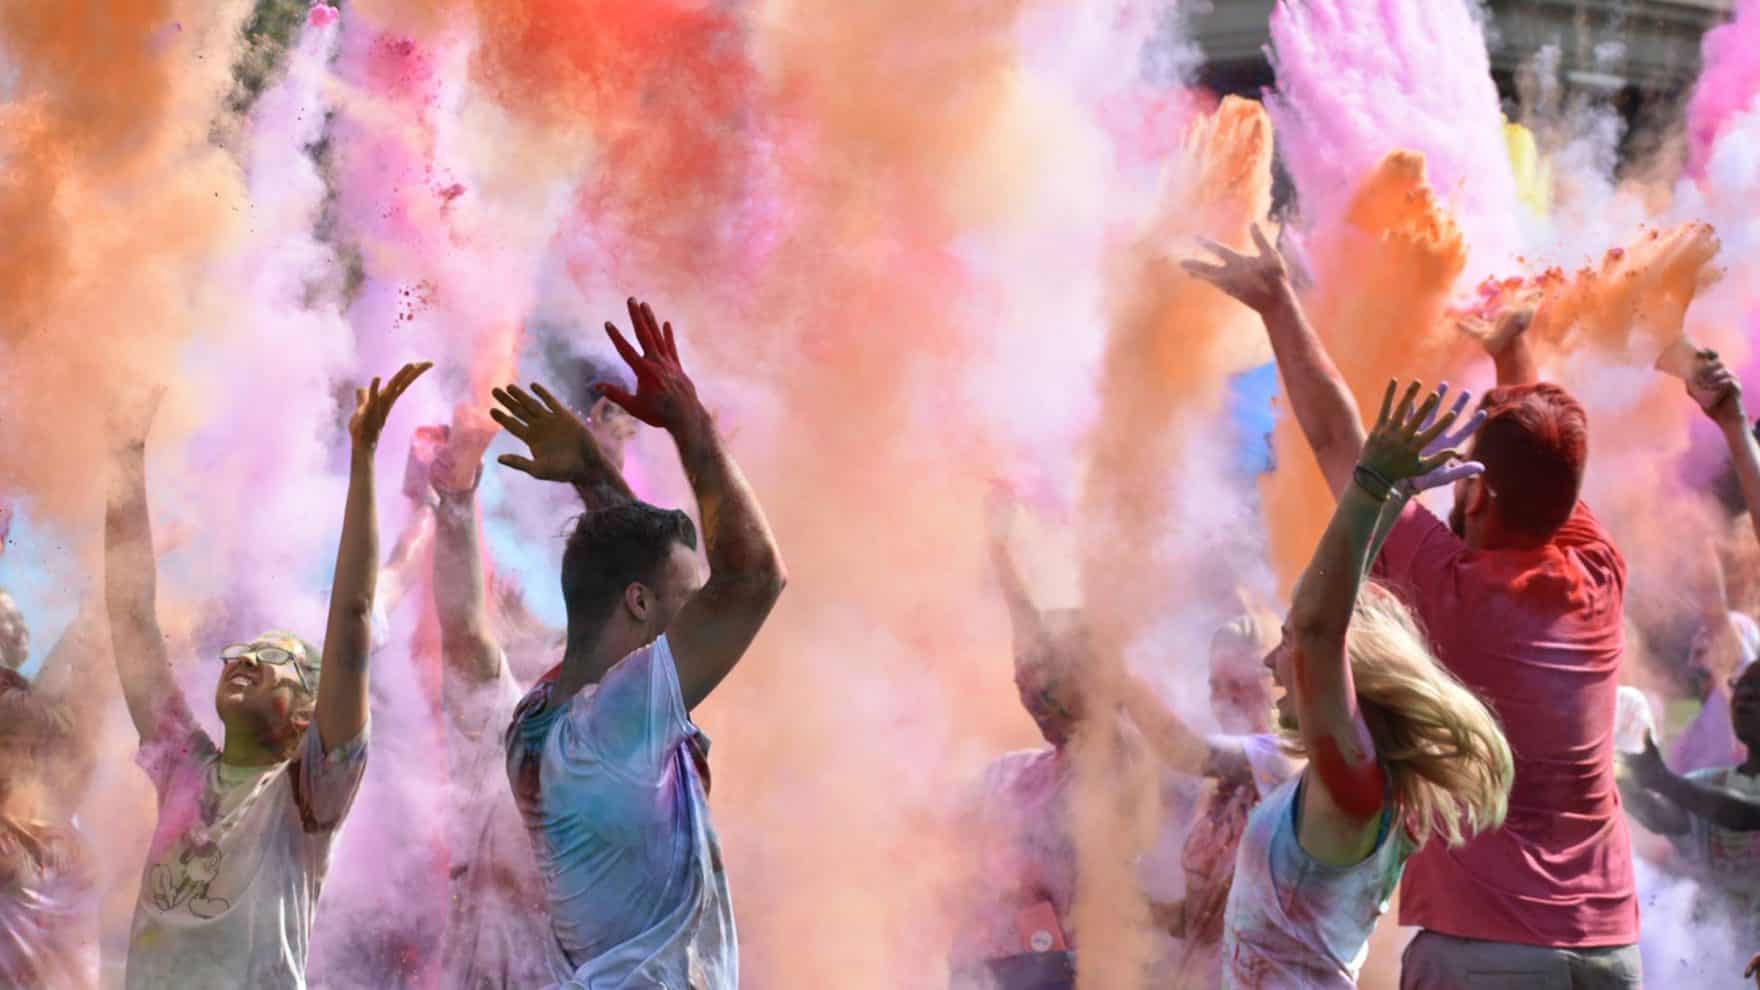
[[613, 787], [237, 861], [1293, 921]]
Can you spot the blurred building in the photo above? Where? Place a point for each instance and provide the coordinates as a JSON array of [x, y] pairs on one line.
[[1642, 55]]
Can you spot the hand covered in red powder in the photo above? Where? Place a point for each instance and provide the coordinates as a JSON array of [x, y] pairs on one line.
[[372, 404], [664, 396], [1717, 391], [1259, 281]]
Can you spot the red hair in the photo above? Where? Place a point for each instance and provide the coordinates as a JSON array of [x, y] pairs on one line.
[[1534, 445]]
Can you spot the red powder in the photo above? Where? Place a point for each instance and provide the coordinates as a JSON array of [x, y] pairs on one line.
[[1358, 788], [397, 68]]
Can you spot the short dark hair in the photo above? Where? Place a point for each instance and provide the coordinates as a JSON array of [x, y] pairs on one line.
[[1534, 445], [613, 547]]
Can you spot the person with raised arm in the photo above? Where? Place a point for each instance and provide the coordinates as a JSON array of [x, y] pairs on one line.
[[497, 931], [1712, 813], [1398, 748], [1015, 925], [1522, 594], [608, 770], [245, 828]]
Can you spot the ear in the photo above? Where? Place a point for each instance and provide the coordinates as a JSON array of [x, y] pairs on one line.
[[638, 600], [1478, 498]]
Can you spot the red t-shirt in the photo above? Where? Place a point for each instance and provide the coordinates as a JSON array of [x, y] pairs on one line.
[[1538, 635]]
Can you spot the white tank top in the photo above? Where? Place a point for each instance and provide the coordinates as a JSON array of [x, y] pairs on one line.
[[1293, 921]]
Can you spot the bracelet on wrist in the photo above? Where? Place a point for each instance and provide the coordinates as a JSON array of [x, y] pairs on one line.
[[1372, 483]]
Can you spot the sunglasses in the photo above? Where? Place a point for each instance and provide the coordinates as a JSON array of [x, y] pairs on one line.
[[266, 654]]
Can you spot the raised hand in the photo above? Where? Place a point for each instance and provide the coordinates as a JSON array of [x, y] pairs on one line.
[[664, 395], [372, 404], [458, 464], [1516, 315], [561, 445], [1447, 442], [1647, 766], [1717, 391], [1258, 280], [425, 445], [1403, 450]]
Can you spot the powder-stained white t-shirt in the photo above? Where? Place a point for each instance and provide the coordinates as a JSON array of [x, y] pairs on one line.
[[612, 786], [237, 861], [498, 929]]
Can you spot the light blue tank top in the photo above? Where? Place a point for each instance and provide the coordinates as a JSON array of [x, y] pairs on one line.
[[1293, 921]]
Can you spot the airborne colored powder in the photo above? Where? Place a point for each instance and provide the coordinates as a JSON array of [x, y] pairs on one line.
[[911, 249]]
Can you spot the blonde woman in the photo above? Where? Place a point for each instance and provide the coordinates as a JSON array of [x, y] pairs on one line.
[[1398, 749]]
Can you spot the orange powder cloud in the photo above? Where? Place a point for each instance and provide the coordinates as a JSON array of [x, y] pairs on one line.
[[1382, 281], [1167, 359], [113, 197]]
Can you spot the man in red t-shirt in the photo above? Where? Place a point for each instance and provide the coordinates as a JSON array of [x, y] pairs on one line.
[[1522, 594]]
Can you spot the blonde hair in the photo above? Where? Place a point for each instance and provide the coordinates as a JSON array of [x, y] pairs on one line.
[[1447, 761], [1253, 630]]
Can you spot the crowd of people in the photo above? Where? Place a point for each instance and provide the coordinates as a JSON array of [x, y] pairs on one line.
[[1437, 715]]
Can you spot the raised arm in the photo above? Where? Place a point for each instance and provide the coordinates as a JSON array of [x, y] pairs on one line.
[[1342, 805], [70, 676], [746, 574], [131, 587], [1322, 402], [1026, 623], [1717, 391], [1651, 810], [348, 636], [460, 596], [1720, 807]]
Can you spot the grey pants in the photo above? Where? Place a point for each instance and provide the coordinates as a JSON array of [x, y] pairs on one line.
[[1443, 962]]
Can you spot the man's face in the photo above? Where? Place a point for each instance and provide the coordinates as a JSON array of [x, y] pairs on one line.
[[254, 695], [15, 636], [1240, 689]]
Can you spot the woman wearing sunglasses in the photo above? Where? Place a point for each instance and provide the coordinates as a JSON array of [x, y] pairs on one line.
[[245, 827]]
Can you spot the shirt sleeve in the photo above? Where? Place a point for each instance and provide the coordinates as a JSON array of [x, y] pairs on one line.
[[1419, 556], [1583, 537], [327, 782], [636, 717], [176, 742]]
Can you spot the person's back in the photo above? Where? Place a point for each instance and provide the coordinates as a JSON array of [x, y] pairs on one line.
[[1537, 634]]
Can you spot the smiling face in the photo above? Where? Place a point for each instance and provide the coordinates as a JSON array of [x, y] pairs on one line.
[[264, 698], [1281, 661]]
